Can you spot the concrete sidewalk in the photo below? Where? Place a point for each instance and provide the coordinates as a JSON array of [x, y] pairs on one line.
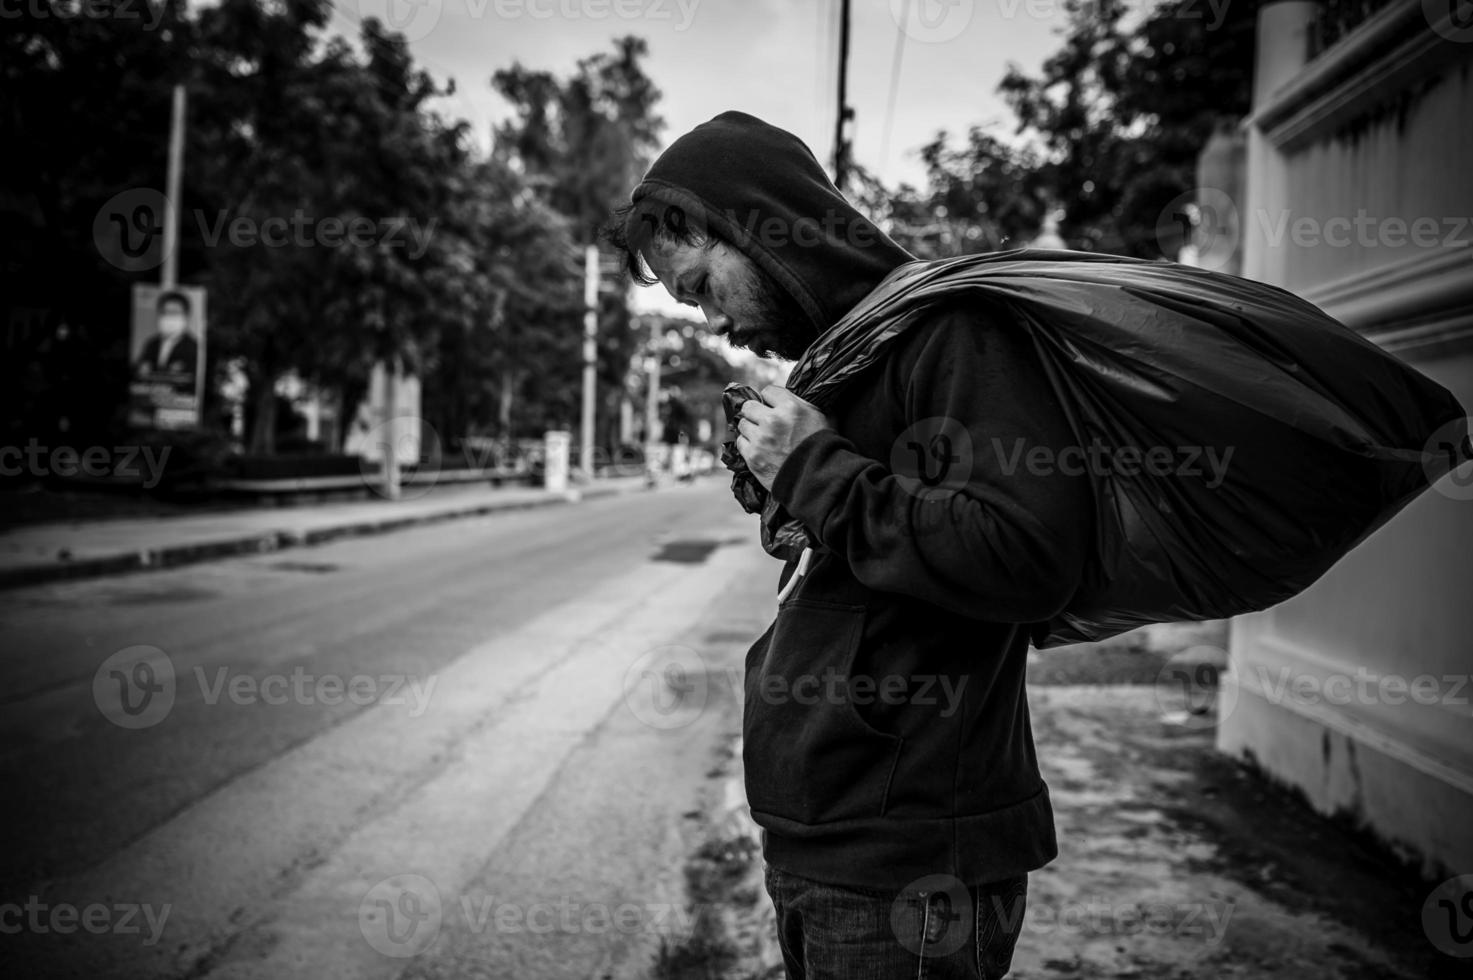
[[78, 549], [1175, 862]]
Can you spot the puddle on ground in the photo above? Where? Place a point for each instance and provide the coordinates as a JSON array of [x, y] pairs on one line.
[[691, 551], [317, 568], [155, 596]]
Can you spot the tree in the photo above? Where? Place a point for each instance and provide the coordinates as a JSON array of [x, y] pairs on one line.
[[84, 117], [588, 139], [583, 143], [292, 129], [469, 275], [981, 197], [1070, 111], [693, 363], [523, 253], [1120, 116]]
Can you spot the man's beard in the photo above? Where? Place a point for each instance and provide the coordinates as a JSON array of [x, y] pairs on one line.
[[783, 329]]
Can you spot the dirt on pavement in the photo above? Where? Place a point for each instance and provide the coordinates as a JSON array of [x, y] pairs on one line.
[[1175, 861]]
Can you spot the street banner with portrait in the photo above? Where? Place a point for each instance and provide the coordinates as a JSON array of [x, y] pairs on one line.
[[167, 357]]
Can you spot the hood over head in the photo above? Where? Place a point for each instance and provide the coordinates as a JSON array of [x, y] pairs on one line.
[[760, 189]]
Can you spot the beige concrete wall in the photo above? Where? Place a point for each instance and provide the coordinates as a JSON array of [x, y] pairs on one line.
[[1357, 691]]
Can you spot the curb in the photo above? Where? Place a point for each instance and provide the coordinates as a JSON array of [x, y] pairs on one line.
[[278, 539]]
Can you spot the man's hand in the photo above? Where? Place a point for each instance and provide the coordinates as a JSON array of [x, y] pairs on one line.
[[771, 429]]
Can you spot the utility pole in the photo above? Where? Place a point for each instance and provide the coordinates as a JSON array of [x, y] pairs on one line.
[[590, 354], [173, 180], [652, 402], [389, 431], [841, 143]]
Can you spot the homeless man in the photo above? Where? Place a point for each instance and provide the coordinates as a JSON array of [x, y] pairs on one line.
[[899, 795]]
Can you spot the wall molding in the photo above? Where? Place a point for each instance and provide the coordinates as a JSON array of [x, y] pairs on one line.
[[1414, 303], [1370, 67], [1369, 725]]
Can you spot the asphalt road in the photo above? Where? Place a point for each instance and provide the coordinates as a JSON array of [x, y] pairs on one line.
[[463, 750]]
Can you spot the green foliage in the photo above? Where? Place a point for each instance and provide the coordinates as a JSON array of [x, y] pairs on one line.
[[582, 143], [520, 344], [1120, 115], [587, 139], [981, 197], [468, 270], [84, 115], [693, 368], [1107, 136], [330, 137]]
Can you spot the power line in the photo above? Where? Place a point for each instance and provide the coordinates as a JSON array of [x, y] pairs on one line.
[[831, 56], [900, 36], [821, 61]]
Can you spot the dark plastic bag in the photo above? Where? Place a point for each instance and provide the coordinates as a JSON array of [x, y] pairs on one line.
[[782, 537], [1329, 433]]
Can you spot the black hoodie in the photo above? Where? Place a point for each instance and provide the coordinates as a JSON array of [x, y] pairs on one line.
[[759, 188], [885, 731]]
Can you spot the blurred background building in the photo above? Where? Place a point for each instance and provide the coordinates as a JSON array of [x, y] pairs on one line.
[[1356, 196]]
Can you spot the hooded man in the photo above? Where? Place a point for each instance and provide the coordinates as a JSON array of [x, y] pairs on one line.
[[887, 749]]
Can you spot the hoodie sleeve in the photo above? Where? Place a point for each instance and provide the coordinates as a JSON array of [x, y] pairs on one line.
[[1004, 534]]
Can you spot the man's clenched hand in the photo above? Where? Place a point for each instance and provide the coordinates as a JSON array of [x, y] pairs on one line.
[[771, 429]]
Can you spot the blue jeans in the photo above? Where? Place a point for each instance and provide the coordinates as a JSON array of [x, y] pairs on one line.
[[935, 927]]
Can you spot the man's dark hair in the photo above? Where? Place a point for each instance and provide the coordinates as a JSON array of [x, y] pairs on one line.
[[634, 226], [171, 296]]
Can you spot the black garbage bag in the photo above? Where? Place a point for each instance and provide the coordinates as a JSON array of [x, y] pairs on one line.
[[1330, 435], [782, 537]]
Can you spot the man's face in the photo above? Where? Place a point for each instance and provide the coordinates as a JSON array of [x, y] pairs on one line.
[[173, 318], [740, 301]]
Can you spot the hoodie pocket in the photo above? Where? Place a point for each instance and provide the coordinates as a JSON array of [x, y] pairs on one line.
[[808, 754]]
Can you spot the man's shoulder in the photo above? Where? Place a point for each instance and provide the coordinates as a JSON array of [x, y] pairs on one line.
[[936, 338], [944, 333]]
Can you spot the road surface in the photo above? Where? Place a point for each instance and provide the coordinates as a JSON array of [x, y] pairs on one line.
[[466, 750]]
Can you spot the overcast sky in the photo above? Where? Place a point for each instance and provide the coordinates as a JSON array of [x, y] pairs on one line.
[[775, 59]]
